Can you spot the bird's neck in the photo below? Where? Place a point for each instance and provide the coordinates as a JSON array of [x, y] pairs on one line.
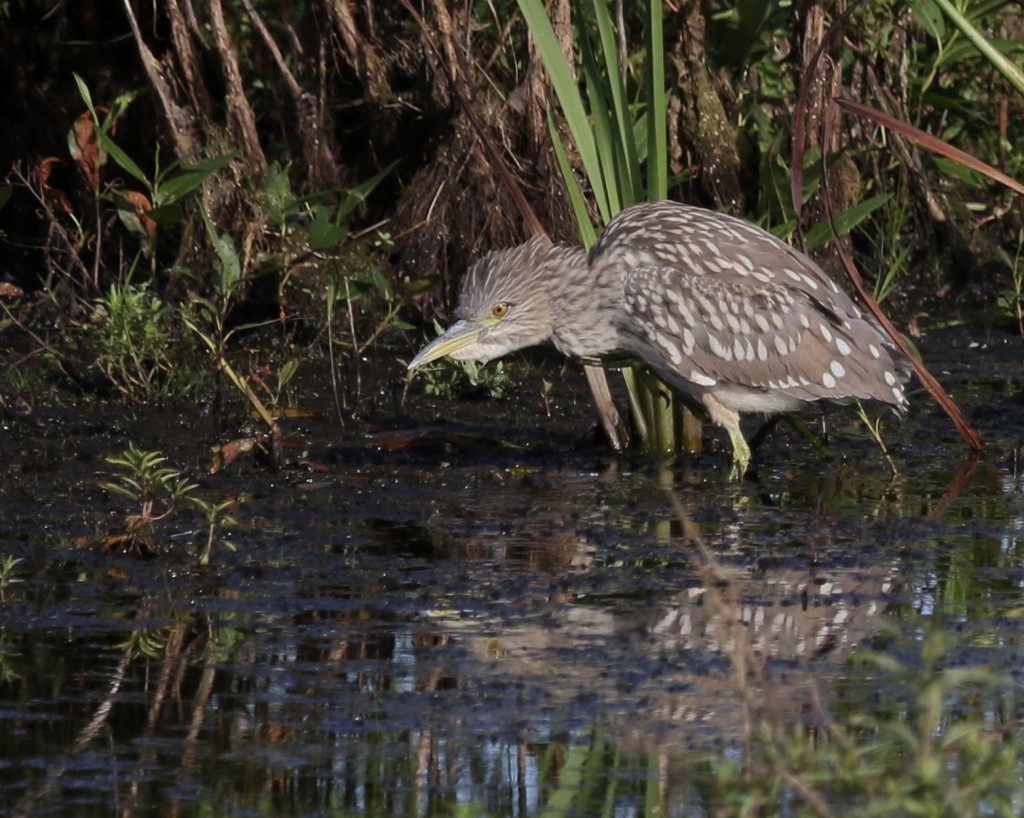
[[582, 305]]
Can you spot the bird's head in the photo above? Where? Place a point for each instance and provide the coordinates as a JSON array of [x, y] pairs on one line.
[[504, 304]]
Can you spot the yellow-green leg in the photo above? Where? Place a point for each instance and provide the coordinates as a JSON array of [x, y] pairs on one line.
[[729, 419]]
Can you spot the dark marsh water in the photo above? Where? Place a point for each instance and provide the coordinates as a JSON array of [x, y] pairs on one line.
[[477, 619]]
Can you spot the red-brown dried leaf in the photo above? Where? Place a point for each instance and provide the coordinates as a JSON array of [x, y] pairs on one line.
[[142, 206], [85, 148], [228, 453], [44, 173]]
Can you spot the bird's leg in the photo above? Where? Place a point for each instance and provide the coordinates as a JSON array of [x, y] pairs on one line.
[[729, 419], [740, 453]]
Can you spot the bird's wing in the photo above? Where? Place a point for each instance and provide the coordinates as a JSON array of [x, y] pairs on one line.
[[730, 331]]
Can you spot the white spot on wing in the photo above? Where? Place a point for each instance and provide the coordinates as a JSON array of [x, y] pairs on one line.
[[688, 341], [842, 346], [837, 369], [828, 380], [701, 379], [718, 348]]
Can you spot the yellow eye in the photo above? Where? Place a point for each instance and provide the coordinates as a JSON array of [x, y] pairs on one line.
[[500, 310]]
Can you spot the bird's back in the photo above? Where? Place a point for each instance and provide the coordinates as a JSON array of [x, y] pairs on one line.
[[718, 305]]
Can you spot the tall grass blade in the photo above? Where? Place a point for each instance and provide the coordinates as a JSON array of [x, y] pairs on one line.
[[608, 138], [588, 235], [627, 166], [564, 83], [928, 141], [608, 146], [657, 106]]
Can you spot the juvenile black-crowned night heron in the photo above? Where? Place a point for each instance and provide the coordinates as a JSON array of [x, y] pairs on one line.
[[719, 308]]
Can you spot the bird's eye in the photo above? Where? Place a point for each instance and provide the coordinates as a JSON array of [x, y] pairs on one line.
[[500, 310]]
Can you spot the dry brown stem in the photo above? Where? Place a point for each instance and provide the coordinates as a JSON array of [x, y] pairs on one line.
[[359, 51], [237, 102], [697, 107], [316, 128]]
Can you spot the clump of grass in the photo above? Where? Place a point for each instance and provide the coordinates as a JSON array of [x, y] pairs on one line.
[[618, 131], [133, 338]]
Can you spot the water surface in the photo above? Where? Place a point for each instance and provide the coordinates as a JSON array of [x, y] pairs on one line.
[[477, 619]]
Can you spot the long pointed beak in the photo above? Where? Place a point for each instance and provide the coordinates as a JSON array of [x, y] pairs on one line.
[[457, 337]]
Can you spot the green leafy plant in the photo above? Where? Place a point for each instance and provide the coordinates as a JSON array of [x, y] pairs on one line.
[[161, 201], [208, 319], [348, 290], [926, 761], [305, 226], [449, 381], [308, 224], [131, 334], [158, 490], [218, 515]]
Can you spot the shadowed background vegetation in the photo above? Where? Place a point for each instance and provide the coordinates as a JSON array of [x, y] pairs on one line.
[[326, 170]]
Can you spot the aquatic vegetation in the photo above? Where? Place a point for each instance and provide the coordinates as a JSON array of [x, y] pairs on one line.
[[161, 493], [450, 379]]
